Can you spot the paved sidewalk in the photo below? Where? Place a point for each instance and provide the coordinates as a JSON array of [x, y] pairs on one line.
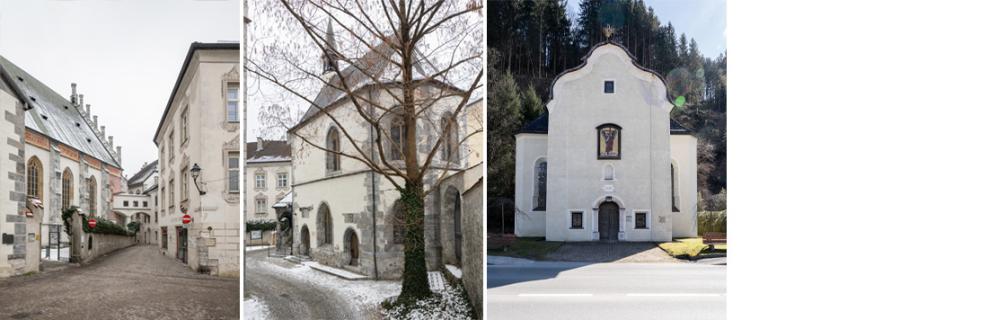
[[133, 283], [610, 252]]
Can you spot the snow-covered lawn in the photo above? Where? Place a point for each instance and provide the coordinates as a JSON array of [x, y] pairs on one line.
[[255, 310], [257, 248], [449, 304], [365, 295]]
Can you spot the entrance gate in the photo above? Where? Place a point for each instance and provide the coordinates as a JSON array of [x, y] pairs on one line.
[[55, 237]]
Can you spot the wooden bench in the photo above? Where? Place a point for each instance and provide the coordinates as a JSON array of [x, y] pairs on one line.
[[714, 237]]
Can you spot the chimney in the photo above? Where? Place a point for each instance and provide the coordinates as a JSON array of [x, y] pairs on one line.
[[111, 139], [73, 94], [102, 131], [94, 123], [87, 112], [80, 99], [118, 154], [261, 144]]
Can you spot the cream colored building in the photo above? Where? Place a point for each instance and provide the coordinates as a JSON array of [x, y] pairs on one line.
[[267, 180], [55, 155], [344, 214], [606, 162], [199, 127]]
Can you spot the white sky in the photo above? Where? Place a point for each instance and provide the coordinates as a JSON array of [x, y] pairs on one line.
[[123, 55]]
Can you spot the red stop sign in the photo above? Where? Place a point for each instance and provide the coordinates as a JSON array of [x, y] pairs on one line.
[[186, 219], [91, 223]]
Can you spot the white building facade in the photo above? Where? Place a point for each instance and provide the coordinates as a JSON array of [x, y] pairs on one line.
[[267, 181], [199, 128], [606, 162]]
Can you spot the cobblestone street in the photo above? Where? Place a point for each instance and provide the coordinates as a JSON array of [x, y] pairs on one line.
[[133, 283]]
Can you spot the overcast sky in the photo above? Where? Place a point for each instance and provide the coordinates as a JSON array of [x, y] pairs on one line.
[[123, 55], [704, 20]]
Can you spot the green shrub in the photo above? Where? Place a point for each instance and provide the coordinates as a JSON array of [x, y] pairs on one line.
[[712, 221], [253, 225], [103, 226], [133, 226]]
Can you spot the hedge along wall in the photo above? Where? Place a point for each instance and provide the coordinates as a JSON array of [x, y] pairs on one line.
[[103, 239]]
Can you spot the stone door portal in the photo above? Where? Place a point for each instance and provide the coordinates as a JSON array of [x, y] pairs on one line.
[[305, 241], [607, 221]]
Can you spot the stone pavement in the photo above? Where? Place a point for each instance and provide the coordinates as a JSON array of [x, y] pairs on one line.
[[133, 283], [610, 252]]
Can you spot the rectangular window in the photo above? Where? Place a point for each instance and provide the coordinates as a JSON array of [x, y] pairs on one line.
[[281, 180], [232, 102], [125, 203], [260, 205], [641, 220], [171, 146], [185, 124], [260, 180], [609, 87], [144, 204], [171, 193], [233, 173], [136, 203], [576, 220], [185, 184]]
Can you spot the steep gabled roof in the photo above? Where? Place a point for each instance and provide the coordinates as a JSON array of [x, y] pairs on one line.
[[143, 174], [551, 87], [52, 115], [272, 151]]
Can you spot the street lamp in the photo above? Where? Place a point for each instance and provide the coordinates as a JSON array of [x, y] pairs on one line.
[[195, 178]]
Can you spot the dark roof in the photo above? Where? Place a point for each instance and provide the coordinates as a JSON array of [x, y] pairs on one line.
[[678, 128], [185, 66], [272, 151], [142, 175], [538, 125], [52, 115]]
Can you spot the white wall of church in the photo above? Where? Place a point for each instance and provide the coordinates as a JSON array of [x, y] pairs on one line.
[[527, 221], [683, 155]]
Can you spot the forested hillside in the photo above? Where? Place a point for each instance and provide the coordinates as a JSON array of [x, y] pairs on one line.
[[532, 41]]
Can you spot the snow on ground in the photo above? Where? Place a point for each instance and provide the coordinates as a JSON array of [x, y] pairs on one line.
[[449, 304], [257, 248], [455, 271], [365, 295], [64, 254], [255, 310]]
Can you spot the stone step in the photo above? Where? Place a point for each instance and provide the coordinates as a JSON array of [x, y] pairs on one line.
[[341, 273]]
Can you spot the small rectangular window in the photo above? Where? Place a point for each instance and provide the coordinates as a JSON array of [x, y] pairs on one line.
[[260, 181], [125, 203], [281, 180], [640, 220], [609, 87], [233, 173], [232, 102], [576, 220], [144, 204]]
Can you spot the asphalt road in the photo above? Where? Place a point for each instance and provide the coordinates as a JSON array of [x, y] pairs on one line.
[[287, 297], [570, 290], [133, 283]]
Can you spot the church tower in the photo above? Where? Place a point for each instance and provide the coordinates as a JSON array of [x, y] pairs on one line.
[[330, 64]]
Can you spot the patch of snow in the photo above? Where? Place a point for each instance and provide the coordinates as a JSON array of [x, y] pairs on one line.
[[255, 310], [257, 248], [366, 295], [455, 271], [345, 274], [449, 304], [64, 254]]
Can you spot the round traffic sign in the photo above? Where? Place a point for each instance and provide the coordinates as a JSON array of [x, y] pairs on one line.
[[186, 219], [91, 223]]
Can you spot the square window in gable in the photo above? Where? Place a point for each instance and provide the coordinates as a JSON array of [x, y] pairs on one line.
[[609, 87]]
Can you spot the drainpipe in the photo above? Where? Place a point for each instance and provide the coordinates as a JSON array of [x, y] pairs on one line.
[[373, 191]]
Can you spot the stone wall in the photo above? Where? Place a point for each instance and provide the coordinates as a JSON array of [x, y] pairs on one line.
[[472, 245], [16, 255], [102, 244]]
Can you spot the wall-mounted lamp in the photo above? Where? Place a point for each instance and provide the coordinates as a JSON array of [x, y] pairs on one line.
[[195, 178]]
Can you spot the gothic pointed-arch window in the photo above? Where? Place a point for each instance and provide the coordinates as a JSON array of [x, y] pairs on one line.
[[92, 196], [67, 188], [324, 225], [332, 140], [34, 178], [609, 141], [449, 143], [399, 132], [540, 184], [674, 188]]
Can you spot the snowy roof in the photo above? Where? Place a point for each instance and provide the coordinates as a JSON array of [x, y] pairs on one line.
[[285, 202], [143, 174], [52, 115], [271, 151]]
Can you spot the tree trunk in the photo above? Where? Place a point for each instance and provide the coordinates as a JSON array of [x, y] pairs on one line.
[[415, 285]]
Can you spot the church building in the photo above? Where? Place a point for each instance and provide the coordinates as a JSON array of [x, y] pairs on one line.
[[606, 162]]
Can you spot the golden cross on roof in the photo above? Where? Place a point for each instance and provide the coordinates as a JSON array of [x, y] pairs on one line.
[[608, 31]]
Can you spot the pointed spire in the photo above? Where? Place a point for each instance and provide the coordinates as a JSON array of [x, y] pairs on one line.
[[330, 64]]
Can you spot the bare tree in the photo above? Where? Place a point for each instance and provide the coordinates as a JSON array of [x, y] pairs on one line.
[[404, 69]]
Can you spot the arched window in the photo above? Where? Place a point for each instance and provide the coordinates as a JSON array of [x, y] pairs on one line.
[[67, 188], [540, 184], [399, 132], [674, 188], [34, 179], [92, 196], [609, 141], [609, 172], [324, 225], [449, 143], [332, 160]]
